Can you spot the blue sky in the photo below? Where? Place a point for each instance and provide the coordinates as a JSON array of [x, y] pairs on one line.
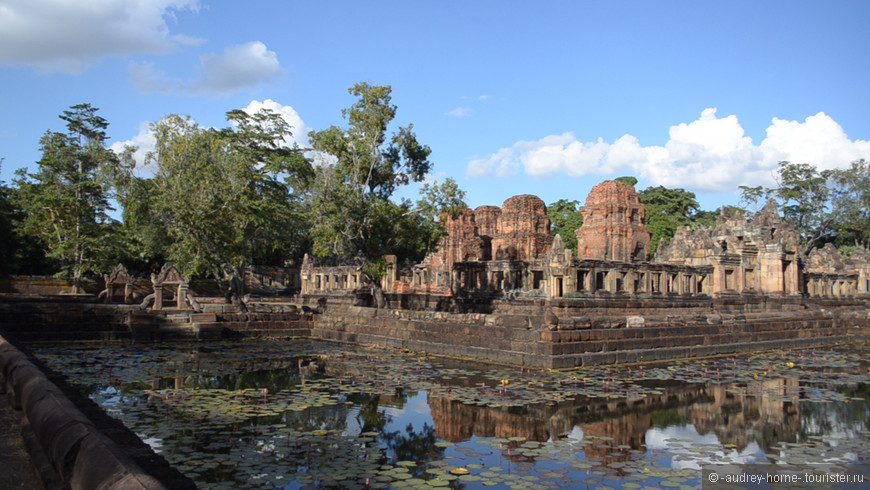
[[545, 98]]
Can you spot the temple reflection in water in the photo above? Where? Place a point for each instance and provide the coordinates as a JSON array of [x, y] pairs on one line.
[[765, 413]]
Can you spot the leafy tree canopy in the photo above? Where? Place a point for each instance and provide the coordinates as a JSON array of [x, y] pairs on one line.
[[825, 206], [565, 219], [361, 169], [65, 202], [851, 191], [667, 210], [222, 197]]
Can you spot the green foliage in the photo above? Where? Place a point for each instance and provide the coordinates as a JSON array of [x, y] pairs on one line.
[[146, 241], [361, 169], [400, 231], [565, 218], [66, 200], [436, 202], [19, 253], [375, 270], [851, 194], [627, 180], [437, 199], [667, 210], [804, 198], [752, 199], [221, 197], [827, 205]]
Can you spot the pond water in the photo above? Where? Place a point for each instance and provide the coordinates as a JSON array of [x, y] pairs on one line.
[[301, 414]]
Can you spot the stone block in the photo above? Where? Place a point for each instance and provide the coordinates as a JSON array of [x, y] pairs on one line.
[[601, 323], [101, 465], [714, 319], [634, 321]]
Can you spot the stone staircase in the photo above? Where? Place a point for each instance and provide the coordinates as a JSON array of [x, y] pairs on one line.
[[173, 325]]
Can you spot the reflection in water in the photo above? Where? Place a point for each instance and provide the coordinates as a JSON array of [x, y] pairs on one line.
[[764, 415], [273, 415]]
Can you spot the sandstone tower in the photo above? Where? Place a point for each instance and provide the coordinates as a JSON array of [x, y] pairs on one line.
[[613, 225]]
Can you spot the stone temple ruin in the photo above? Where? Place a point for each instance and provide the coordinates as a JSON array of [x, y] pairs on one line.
[[509, 251], [501, 287]]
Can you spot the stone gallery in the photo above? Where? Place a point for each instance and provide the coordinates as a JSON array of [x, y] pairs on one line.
[[510, 251]]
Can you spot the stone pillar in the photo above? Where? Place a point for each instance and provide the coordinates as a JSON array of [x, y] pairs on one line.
[[158, 297], [569, 283], [718, 283], [181, 304], [628, 282], [771, 273], [392, 272]]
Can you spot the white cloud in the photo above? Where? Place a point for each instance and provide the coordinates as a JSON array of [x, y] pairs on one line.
[[297, 125], [144, 143], [500, 164], [460, 112], [708, 154], [239, 67], [819, 140], [67, 36]]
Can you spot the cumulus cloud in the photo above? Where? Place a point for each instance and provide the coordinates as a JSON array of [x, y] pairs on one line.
[[144, 141], [460, 112], [297, 125], [239, 67], [709, 154], [63, 36]]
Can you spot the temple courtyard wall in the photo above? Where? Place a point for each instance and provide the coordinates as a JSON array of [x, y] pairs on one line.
[[536, 333]]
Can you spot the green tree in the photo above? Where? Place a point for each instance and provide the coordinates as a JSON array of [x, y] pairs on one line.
[[667, 210], [437, 199], [145, 240], [67, 199], [565, 218], [826, 205], [223, 197], [805, 198], [436, 202], [851, 193], [360, 171], [19, 254]]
